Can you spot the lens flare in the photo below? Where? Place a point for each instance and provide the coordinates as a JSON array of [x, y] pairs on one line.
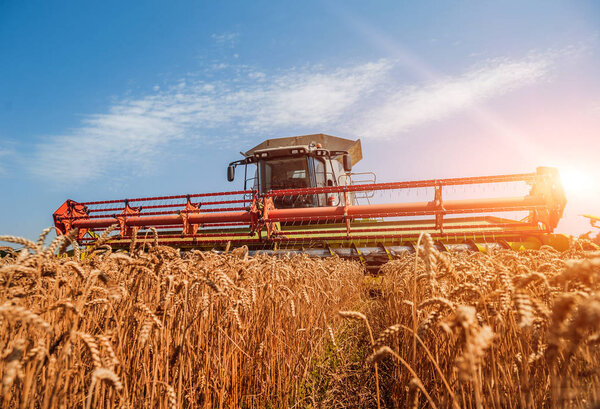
[[578, 183]]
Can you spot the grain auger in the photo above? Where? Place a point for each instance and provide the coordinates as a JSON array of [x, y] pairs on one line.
[[301, 196]]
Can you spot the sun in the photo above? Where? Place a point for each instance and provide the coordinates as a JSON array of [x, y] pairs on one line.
[[577, 182]]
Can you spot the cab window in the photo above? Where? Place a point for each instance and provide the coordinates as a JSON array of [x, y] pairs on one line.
[[320, 173], [284, 174]]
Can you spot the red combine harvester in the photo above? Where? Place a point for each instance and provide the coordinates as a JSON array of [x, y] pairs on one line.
[[300, 195]]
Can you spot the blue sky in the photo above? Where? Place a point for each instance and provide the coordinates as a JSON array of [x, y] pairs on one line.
[[102, 100]]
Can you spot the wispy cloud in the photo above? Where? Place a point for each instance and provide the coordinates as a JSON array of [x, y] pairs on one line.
[[365, 100], [134, 131], [313, 98], [4, 153], [226, 39], [411, 106]]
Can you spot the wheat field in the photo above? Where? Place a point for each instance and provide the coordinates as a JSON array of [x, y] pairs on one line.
[[158, 328]]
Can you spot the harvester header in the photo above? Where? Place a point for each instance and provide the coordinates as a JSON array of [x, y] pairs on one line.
[[300, 195]]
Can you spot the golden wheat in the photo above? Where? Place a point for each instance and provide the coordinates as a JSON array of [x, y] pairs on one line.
[[156, 327]]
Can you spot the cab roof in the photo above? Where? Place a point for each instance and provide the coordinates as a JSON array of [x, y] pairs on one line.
[[329, 142]]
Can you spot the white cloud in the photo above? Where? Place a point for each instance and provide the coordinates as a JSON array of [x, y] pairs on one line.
[[227, 38], [313, 99], [3, 154], [257, 75], [412, 106], [365, 100], [135, 131]]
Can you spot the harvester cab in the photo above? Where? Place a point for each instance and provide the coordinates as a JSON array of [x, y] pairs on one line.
[[300, 162]]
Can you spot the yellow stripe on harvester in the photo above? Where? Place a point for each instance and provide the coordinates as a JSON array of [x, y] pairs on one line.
[[594, 220]]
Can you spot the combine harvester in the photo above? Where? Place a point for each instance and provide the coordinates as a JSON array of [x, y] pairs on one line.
[[303, 197]]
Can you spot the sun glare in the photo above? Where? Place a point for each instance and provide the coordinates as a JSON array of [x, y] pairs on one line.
[[577, 182]]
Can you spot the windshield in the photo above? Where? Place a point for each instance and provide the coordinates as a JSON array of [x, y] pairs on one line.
[[284, 174]]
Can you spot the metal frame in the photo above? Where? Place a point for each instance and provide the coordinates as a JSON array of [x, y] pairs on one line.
[[209, 220]]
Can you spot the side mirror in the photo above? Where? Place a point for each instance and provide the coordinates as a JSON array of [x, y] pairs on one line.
[[230, 173], [347, 163]]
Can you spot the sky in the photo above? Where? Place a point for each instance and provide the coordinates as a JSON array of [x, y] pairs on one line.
[[108, 100]]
